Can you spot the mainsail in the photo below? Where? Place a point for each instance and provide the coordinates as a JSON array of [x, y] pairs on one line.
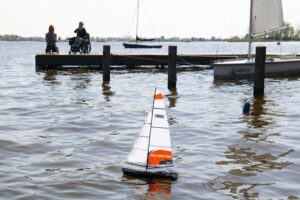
[[267, 16], [152, 154], [160, 152]]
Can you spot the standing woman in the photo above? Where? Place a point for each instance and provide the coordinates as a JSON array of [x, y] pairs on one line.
[[51, 39]]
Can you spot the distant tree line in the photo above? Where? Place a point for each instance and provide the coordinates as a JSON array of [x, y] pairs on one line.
[[287, 34], [109, 39]]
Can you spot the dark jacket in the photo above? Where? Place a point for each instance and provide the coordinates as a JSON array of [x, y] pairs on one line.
[[51, 38], [80, 33]]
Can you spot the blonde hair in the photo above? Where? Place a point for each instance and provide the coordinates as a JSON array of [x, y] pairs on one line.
[[51, 28]]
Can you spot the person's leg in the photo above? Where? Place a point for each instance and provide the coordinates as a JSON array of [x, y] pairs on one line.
[[56, 49], [48, 49]]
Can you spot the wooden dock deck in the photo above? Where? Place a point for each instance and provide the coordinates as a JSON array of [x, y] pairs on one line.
[[97, 61], [52, 61]]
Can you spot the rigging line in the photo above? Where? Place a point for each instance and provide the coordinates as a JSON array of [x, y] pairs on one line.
[[143, 58], [137, 20], [230, 23], [184, 60], [150, 129], [250, 30], [132, 21], [149, 19]]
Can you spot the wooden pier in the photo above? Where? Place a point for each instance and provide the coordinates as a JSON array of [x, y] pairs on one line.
[[108, 61], [63, 61], [97, 61]]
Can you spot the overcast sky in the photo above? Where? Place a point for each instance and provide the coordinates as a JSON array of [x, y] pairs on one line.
[[116, 18]]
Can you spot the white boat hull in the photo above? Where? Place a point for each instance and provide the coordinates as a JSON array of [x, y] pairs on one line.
[[246, 68]]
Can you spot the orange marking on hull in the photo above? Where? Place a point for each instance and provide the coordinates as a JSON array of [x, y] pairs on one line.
[[158, 157], [158, 96]]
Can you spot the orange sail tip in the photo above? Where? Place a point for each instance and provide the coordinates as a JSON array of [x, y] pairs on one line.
[[159, 157], [158, 96]]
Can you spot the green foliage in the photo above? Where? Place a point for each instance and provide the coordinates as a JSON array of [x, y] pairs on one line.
[[235, 39]]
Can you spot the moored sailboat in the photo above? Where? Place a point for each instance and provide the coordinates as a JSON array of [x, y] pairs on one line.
[[265, 16], [151, 155], [137, 43]]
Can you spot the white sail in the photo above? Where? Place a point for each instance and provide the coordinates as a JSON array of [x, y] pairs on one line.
[[267, 16], [153, 146], [160, 152], [139, 153]]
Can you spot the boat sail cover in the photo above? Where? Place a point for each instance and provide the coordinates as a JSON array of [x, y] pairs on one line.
[[152, 150], [267, 16]]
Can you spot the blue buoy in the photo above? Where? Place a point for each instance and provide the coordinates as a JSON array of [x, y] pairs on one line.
[[246, 108]]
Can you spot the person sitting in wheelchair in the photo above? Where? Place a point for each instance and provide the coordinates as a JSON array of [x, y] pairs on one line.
[[81, 43], [81, 34]]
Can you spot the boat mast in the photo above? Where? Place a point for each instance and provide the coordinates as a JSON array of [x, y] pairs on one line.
[[250, 29], [150, 128], [137, 20]]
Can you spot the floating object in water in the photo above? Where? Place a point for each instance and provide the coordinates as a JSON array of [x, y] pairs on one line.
[[246, 108], [151, 155]]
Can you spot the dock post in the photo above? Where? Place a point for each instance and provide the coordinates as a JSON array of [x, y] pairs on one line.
[[259, 79], [172, 61], [106, 63]]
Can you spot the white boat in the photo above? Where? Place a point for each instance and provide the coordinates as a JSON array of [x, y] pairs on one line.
[[151, 155], [265, 16]]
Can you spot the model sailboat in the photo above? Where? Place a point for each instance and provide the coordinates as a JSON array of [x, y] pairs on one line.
[[138, 39], [151, 155], [265, 16]]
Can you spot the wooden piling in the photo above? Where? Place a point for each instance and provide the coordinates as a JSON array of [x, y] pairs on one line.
[[106, 63], [259, 76], [172, 61]]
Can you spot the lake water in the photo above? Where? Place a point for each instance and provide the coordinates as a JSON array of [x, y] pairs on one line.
[[65, 135]]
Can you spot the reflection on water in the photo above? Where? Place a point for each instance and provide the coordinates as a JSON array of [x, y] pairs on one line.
[[81, 81], [245, 162], [257, 111], [150, 188], [158, 191], [259, 121], [235, 189], [225, 82], [106, 91], [251, 163], [172, 97], [50, 76]]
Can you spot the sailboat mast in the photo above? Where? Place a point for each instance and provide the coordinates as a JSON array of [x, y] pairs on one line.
[[150, 129], [137, 20], [250, 29]]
